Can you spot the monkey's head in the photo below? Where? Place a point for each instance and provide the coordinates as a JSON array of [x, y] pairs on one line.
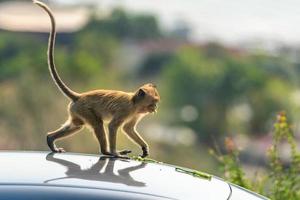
[[146, 98]]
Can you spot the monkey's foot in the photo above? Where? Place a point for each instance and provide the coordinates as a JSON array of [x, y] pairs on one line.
[[52, 146], [60, 150], [117, 155], [124, 152], [122, 157], [145, 152]]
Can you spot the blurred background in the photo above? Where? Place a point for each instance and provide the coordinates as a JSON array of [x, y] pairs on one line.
[[222, 69]]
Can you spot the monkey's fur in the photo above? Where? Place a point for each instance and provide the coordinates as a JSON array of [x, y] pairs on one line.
[[122, 109]]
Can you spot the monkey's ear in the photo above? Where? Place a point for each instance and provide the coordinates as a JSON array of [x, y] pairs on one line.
[[152, 85], [140, 94]]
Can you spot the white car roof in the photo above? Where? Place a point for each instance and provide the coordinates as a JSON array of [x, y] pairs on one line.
[[95, 171]]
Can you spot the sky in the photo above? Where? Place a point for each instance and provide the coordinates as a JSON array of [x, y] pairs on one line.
[[228, 21]]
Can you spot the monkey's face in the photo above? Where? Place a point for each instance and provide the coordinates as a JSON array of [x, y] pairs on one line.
[[147, 98]]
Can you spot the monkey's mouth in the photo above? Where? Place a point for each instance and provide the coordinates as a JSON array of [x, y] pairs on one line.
[[152, 107]]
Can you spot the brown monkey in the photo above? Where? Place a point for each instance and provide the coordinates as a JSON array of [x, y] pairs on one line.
[[93, 107]]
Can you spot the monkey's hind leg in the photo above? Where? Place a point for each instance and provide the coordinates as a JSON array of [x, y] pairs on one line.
[[66, 130], [96, 123]]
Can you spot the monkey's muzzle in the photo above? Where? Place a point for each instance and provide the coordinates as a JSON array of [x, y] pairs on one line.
[[152, 108]]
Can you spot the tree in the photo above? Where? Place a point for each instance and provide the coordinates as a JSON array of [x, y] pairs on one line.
[[215, 82], [127, 26]]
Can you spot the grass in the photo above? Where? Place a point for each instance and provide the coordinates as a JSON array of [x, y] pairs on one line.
[[282, 180]]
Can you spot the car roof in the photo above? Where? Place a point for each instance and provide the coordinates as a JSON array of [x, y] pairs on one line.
[[100, 172]]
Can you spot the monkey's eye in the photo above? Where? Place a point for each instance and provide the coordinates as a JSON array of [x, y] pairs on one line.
[[141, 93]]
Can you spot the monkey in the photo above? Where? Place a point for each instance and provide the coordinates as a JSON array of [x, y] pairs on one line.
[[121, 109]]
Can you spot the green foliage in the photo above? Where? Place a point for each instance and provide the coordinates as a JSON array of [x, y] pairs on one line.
[[285, 180], [230, 164], [154, 63], [282, 181], [93, 48], [214, 81], [127, 26], [16, 56]]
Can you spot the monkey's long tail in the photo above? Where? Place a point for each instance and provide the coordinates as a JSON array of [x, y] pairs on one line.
[[61, 85]]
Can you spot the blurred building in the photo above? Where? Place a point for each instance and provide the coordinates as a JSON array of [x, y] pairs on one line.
[[24, 16], [133, 54]]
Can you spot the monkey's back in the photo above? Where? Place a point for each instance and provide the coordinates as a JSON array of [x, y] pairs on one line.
[[103, 103]]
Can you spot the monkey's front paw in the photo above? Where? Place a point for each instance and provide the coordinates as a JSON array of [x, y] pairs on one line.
[[124, 152], [145, 152]]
